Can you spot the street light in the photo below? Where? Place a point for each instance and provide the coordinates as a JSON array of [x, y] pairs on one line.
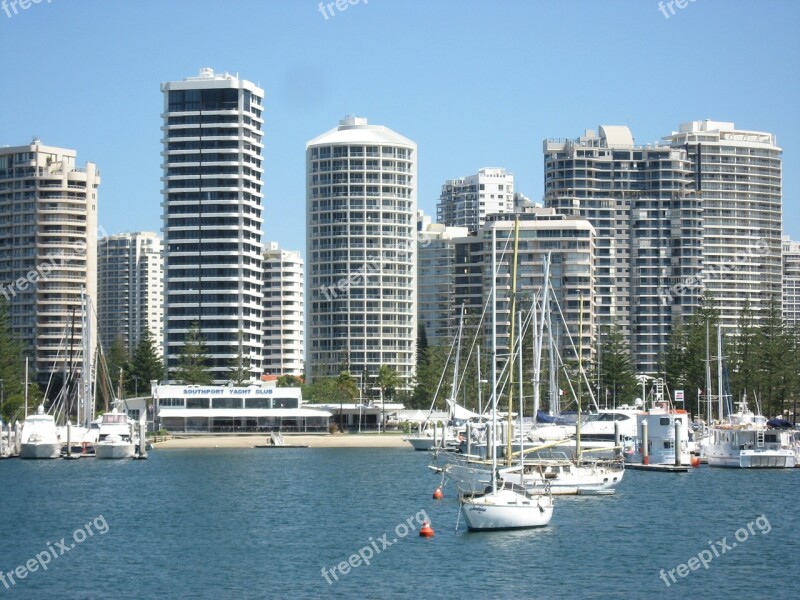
[[2, 396]]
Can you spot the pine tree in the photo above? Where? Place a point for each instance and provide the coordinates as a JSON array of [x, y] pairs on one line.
[[193, 360], [12, 369], [240, 369], [145, 365], [617, 377]]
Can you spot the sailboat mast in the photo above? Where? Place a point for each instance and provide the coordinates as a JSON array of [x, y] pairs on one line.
[[453, 390], [555, 391], [708, 375], [519, 359], [480, 412], [493, 437], [26, 388], [536, 357], [580, 380], [513, 298], [719, 370], [538, 340]]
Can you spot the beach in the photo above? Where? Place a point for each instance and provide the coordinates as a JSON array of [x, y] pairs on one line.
[[351, 440]]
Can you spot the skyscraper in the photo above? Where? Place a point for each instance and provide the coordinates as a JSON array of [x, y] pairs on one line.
[[48, 247], [642, 202], [791, 282], [284, 317], [130, 289], [361, 204], [738, 178], [212, 143], [436, 278], [465, 202]]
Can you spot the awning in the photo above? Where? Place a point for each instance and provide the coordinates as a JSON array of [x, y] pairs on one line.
[[300, 413]]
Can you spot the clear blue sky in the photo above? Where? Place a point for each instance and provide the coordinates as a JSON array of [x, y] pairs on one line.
[[474, 82]]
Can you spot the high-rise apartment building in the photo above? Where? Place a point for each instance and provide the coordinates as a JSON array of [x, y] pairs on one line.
[[436, 271], [212, 171], [284, 317], [648, 220], [361, 204], [738, 178], [791, 282], [48, 247], [465, 202], [130, 289], [571, 244]]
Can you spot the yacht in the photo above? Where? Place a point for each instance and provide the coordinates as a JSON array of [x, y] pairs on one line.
[[601, 433], [746, 441], [115, 439], [40, 437]]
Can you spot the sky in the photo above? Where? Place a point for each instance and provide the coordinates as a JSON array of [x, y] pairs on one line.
[[475, 83]]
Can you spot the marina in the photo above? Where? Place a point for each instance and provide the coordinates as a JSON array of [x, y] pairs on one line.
[[271, 533]]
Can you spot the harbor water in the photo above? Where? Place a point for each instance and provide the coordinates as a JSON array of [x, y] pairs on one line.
[[303, 523]]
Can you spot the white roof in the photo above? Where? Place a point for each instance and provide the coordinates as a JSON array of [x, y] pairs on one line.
[[355, 130], [617, 136], [238, 412]]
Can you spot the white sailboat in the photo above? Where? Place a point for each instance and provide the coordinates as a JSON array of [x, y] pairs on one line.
[[504, 505], [744, 440]]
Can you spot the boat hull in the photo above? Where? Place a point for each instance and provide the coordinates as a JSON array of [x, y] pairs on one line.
[[421, 444], [754, 460], [114, 451], [40, 450], [505, 509]]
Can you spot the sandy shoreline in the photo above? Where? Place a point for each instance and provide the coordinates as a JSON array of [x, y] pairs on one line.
[[389, 440]]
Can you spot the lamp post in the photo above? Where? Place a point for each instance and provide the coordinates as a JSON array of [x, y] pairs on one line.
[[2, 396]]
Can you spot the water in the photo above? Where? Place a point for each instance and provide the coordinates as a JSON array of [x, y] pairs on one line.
[[264, 523]]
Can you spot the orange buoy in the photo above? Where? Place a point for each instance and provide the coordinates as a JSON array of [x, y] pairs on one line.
[[437, 494], [695, 461], [426, 530]]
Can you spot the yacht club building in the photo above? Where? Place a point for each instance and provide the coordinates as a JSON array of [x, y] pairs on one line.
[[225, 409]]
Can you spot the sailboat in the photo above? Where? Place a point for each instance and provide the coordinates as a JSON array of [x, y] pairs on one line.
[[504, 505], [744, 439], [553, 470]]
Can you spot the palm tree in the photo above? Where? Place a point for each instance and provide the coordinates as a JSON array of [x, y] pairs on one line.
[[387, 382]]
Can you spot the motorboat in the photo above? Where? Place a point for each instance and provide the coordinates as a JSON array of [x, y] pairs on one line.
[[39, 438], [116, 439]]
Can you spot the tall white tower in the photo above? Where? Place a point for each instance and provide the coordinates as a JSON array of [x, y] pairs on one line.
[[738, 179], [212, 218], [361, 204]]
